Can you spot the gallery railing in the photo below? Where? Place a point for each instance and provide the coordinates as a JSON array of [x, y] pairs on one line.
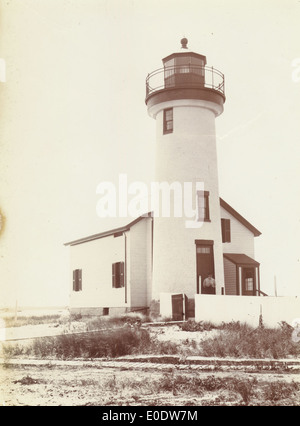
[[185, 76]]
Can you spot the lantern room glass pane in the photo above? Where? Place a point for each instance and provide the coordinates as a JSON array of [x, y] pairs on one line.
[[183, 64], [199, 66], [169, 67]]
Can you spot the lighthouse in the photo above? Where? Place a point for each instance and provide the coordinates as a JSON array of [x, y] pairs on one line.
[[184, 97], [192, 251]]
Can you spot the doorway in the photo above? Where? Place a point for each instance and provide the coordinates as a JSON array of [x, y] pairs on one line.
[[248, 282], [205, 265]]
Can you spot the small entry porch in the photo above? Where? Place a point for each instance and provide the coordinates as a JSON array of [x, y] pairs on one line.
[[241, 275]]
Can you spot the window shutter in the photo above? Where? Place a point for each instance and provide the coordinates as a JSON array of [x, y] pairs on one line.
[[206, 206], [79, 279], [74, 280], [114, 275], [118, 279], [121, 274], [226, 231], [223, 230]]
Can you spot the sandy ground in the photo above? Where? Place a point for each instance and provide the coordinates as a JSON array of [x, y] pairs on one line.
[[71, 385], [81, 383]]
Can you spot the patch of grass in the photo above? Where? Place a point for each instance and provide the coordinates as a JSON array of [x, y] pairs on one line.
[[201, 326], [277, 391], [107, 343], [241, 340], [211, 390], [10, 351], [33, 320], [198, 386], [123, 335]]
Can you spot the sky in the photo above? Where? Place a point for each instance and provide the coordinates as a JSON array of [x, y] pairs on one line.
[[73, 114]]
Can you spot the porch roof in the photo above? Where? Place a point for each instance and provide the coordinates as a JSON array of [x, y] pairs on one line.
[[241, 259]]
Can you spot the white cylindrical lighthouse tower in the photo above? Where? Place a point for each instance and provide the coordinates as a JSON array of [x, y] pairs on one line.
[[185, 97]]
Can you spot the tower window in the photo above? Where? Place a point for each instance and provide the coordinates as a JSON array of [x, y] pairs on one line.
[[168, 120], [77, 280], [226, 233], [203, 206]]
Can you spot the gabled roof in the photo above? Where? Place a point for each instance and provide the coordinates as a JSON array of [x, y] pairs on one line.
[[240, 218], [127, 227], [240, 259]]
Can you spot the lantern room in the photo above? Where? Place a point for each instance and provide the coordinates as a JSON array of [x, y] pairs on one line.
[[185, 76], [184, 68]]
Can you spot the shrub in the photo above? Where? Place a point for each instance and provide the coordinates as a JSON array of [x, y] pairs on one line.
[[277, 391], [198, 385], [163, 348], [10, 351], [238, 340], [106, 343], [245, 388], [192, 325]]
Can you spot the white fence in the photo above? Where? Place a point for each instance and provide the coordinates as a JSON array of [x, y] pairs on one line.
[[246, 309]]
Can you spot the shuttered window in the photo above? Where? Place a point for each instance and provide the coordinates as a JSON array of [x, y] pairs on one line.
[[118, 275], [226, 231], [203, 206], [77, 280]]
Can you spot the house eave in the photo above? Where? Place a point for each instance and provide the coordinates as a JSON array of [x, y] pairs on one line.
[[240, 218], [108, 233]]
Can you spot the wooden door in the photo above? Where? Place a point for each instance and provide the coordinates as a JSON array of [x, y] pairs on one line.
[[205, 266], [179, 307]]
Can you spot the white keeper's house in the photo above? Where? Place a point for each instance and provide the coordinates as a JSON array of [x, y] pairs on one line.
[[157, 262]]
